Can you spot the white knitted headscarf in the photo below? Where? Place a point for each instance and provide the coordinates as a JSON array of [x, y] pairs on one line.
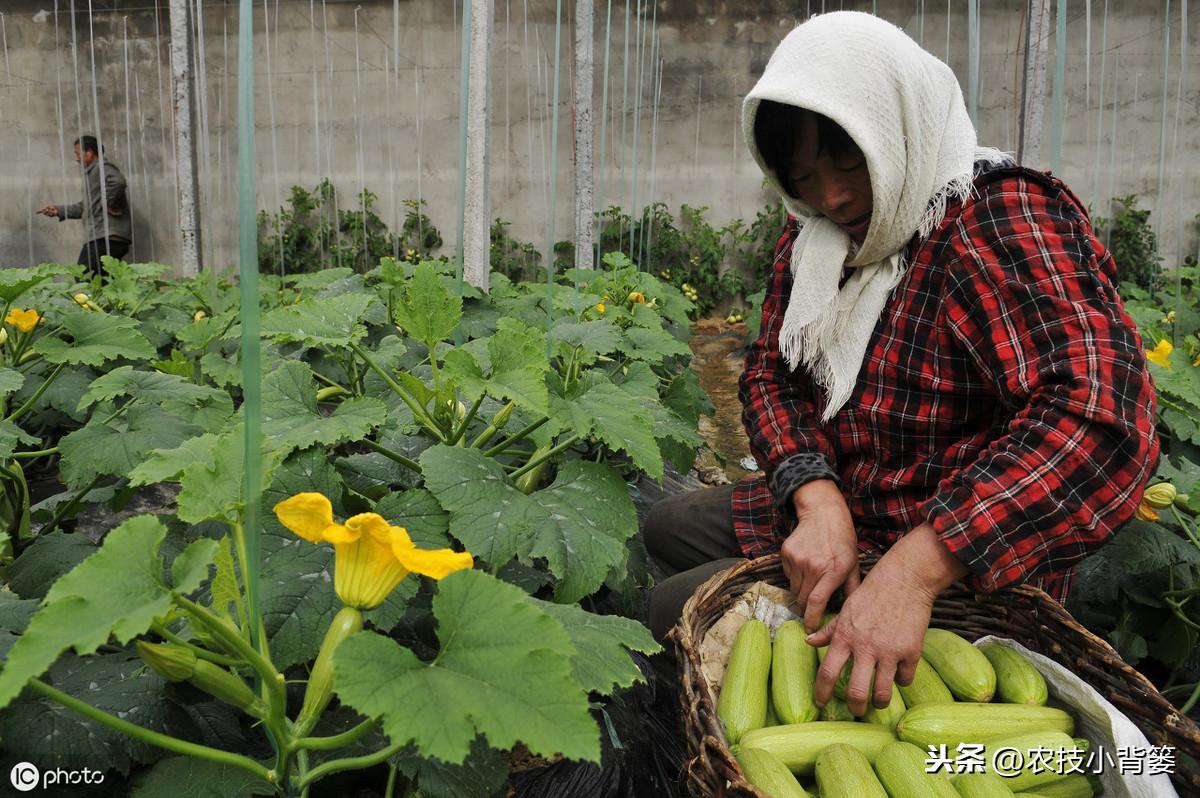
[[904, 109]]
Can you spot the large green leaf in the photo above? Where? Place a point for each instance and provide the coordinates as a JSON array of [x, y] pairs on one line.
[[163, 464], [503, 670], [212, 490], [493, 519], [118, 591], [41, 730], [12, 436], [145, 386], [428, 312], [10, 380], [597, 337], [296, 577], [49, 557], [588, 516], [419, 512], [291, 419], [118, 446], [484, 773], [188, 777], [325, 322], [602, 645], [96, 338], [642, 343], [15, 282], [621, 422]]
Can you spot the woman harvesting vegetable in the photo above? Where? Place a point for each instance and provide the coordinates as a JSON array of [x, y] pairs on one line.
[[946, 375]]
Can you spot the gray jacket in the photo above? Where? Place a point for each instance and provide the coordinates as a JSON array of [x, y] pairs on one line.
[[92, 209]]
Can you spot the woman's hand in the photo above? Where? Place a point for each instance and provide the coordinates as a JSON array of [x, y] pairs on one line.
[[821, 554], [882, 624]]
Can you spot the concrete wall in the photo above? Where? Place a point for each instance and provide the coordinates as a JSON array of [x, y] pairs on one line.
[[340, 100]]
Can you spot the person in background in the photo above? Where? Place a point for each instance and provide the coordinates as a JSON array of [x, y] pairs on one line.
[[104, 209], [946, 377]]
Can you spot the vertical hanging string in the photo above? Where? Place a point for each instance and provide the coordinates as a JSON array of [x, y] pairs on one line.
[[1087, 46], [648, 229], [463, 89], [973, 60], [599, 211], [278, 203], [625, 117], [1166, 97], [1060, 69], [248, 286], [649, 256], [553, 180], [100, 136], [637, 118]]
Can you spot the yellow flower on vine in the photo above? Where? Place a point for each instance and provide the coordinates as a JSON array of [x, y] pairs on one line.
[[23, 320], [371, 555], [1160, 353], [600, 308]]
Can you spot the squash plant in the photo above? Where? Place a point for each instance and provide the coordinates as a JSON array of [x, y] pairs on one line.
[[404, 406]]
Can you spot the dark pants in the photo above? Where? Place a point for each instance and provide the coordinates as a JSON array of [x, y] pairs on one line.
[[691, 537], [89, 256]]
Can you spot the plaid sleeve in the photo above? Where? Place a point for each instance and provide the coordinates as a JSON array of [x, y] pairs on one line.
[[777, 404], [1031, 303]]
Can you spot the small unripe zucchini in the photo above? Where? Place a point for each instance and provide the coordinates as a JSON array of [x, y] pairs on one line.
[[764, 770], [793, 671], [888, 716], [798, 744], [962, 666], [1017, 681], [902, 769], [836, 709], [742, 705], [843, 772], [1076, 785], [926, 688], [981, 785], [1038, 755], [954, 724]]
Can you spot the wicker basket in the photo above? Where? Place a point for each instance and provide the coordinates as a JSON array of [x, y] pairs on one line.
[[1025, 614]]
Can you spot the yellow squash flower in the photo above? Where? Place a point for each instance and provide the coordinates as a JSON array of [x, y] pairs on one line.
[[1160, 496], [1159, 353], [371, 555], [600, 308], [23, 320], [637, 297], [1146, 513]]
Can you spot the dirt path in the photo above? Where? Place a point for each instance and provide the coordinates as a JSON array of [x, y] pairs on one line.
[[717, 349]]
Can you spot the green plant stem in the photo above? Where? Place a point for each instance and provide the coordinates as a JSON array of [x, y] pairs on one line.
[[390, 789], [32, 455], [152, 737], [120, 410], [419, 413], [1191, 702], [331, 383], [20, 411], [537, 461], [349, 763], [394, 456], [1187, 593], [232, 638], [202, 653], [466, 422], [335, 741], [1187, 528], [64, 509], [520, 436]]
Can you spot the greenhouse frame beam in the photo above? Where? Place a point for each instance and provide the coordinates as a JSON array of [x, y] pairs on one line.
[[1033, 86], [477, 201], [585, 79], [182, 109]]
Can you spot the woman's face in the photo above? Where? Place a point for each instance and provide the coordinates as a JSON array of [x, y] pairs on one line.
[[837, 185]]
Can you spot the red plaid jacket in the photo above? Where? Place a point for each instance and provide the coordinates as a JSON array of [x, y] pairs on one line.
[[1004, 396]]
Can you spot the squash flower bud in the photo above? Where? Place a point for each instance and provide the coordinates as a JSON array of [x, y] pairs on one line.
[[1160, 496]]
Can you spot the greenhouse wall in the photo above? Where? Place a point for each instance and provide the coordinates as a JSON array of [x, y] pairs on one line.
[[367, 94]]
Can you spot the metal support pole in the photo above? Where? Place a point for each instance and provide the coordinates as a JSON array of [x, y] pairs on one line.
[[1033, 99], [187, 182], [477, 204], [585, 69]]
